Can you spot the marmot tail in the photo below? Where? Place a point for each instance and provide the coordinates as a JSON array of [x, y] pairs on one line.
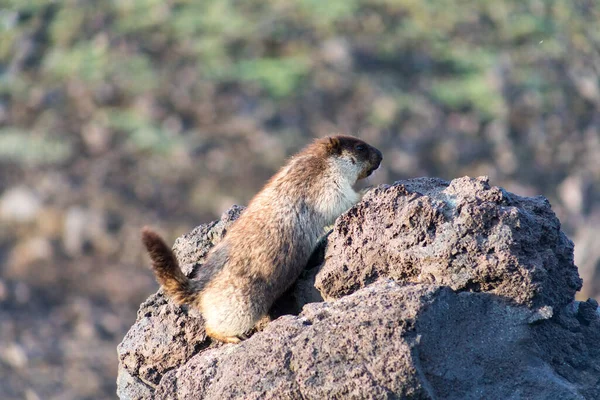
[[166, 269]]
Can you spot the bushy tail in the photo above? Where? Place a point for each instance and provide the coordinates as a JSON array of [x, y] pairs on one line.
[[166, 269]]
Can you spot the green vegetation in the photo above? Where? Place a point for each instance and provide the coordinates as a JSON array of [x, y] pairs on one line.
[[136, 49], [159, 78], [32, 150]]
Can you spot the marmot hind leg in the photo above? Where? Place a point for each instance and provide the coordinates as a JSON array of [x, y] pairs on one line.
[[228, 314], [220, 338], [261, 324]]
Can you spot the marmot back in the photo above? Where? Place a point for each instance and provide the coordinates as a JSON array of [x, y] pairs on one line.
[[266, 249]]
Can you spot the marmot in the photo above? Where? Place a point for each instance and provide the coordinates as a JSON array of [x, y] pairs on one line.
[[265, 250]]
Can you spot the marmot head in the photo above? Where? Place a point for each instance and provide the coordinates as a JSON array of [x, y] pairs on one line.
[[354, 157]]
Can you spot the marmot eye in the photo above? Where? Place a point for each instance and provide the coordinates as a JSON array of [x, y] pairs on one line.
[[360, 147]]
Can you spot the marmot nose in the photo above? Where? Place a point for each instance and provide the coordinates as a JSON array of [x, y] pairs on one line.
[[378, 156]]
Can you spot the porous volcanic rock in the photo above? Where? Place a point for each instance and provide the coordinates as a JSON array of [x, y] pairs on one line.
[[165, 335], [407, 342], [435, 290], [191, 248], [358, 347], [464, 234]]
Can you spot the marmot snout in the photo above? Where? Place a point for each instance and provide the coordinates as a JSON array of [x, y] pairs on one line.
[[265, 250]]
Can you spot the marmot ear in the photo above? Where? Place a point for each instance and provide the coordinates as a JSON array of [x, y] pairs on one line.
[[334, 146]]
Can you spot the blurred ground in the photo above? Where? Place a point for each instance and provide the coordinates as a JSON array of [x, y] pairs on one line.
[[118, 114]]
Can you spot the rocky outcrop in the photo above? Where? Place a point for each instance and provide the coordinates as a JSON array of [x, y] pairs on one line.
[[434, 290], [165, 335], [465, 234]]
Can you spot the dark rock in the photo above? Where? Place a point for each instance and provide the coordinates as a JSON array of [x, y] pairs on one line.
[[571, 349], [588, 311], [464, 234], [476, 346], [435, 290], [392, 341], [164, 336], [358, 347], [192, 247], [131, 388]]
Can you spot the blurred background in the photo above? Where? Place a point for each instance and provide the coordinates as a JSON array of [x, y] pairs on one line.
[[116, 114]]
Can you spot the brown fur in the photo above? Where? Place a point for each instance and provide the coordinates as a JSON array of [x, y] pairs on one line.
[[166, 268], [265, 250]]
